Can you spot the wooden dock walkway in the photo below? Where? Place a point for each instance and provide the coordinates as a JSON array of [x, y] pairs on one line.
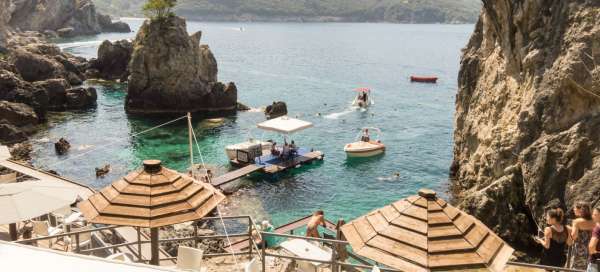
[[233, 175], [302, 159], [242, 243]]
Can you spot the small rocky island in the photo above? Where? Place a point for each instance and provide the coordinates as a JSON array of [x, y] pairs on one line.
[[171, 72]]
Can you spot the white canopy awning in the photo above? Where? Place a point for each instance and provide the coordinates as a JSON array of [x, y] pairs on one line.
[[25, 200], [284, 125], [16, 257]]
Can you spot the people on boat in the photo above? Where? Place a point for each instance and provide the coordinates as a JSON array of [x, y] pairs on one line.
[[312, 228], [285, 153], [293, 148], [365, 97], [274, 150], [594, 246], [365, 137], [581, 233], [556, 239]]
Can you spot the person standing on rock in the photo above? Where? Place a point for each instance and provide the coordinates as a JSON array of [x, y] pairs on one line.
[[594, 247], [556, 238], [581, 232]]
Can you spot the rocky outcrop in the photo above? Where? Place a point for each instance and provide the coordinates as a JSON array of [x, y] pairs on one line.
[[170, 72], [66, 17], [112, 60], [62, 146], [16, 121], [37, 77], [276, 109], [528, 113]]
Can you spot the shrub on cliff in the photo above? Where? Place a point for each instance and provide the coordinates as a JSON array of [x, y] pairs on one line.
[[159, 9]]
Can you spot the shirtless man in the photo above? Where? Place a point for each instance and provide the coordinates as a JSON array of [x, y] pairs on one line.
[[317, 219]]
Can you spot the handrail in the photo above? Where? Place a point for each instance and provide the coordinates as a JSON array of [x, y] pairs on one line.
[[26, 241]]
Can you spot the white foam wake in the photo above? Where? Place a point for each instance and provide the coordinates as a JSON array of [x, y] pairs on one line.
[[337, 115]]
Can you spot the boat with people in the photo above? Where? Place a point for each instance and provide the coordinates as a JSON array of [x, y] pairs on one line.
[[423, 79], [365, 146], [363, 98], [272, 157]]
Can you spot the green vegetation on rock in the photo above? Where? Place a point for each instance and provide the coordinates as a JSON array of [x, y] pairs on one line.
[[397, 11], [158, 9]]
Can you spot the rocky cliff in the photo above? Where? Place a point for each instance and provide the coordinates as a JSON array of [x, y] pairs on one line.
[[36, 77], [527, 113], [170, 72], [67, 17]]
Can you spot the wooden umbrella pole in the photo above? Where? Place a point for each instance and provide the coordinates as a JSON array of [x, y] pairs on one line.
[[12, 230], [154, 246], [189, 117]]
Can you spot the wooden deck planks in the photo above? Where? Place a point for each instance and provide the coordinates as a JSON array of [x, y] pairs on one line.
[[233, 175]]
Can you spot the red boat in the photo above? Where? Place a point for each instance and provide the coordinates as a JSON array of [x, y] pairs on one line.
[[423, 79]]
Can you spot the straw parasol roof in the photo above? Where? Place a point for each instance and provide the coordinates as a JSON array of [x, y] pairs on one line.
[[151, 197], [424, 233]]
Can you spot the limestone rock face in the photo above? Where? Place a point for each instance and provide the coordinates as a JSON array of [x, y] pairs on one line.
[[14, 89], [170, 72], [67, 17], [5, 15], [113, 59], [276, 109], [527, 113], [16, 121]]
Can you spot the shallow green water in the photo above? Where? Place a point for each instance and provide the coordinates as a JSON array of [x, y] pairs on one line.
[[313, 67]]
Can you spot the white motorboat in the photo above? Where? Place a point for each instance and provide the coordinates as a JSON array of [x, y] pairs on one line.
[[248, 146], [363, 98], [365, 147]]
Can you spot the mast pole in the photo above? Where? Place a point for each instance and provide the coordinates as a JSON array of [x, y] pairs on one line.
[[189, 117]]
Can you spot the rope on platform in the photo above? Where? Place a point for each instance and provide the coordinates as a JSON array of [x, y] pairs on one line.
[[218, 210]]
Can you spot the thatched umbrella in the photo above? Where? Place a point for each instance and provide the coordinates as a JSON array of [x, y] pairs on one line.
[[151, 197], [424, 233]]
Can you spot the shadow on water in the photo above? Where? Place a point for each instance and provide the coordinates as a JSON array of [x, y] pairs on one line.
[[361, 162]]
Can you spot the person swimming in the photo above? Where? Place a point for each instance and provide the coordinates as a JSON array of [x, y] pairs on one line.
[[312, 228]]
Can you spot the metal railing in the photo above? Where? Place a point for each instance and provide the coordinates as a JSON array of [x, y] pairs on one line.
[[195, 238], [335, 264]]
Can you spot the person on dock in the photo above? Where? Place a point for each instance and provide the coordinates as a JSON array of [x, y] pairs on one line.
[[274, 150], [312, 228], [293, 148], [594, 246], [556, 238], [365, 137], [581, 232]]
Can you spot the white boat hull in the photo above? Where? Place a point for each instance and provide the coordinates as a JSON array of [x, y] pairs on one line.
[[364, 149], [231, 150]]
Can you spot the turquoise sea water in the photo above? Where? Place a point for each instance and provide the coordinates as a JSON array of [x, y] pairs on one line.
[[314, 68]]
